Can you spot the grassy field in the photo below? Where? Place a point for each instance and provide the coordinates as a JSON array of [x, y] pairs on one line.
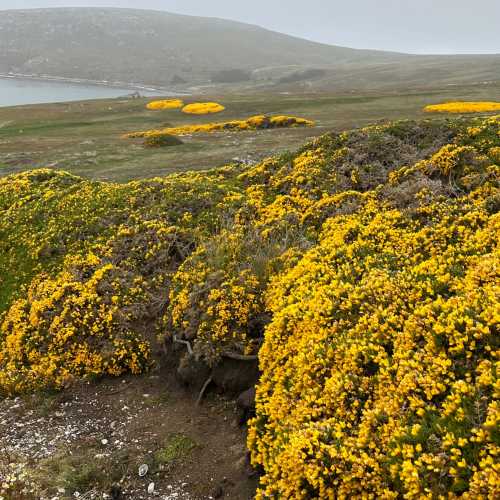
[[84, 138]]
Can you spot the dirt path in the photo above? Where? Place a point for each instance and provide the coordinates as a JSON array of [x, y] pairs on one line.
[[89, 441]]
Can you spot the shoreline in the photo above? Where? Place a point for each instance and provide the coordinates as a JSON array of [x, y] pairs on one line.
[[98, 83]]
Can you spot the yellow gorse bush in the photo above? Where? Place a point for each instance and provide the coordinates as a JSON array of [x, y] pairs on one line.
[[378, 365], [83, 292], [165, 104], [362, 269], [252, 123], [203, 108], [73, 330], [463, 107]]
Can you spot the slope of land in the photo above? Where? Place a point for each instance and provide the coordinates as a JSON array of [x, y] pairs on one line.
[[361, 270], [163, 49]]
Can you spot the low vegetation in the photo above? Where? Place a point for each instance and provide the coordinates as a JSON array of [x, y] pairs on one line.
[[203, 108], [362, 270], [258, 122], [85, 138], [463, 107], [161, 141], [165, 104], [86, 268], [176, 447]]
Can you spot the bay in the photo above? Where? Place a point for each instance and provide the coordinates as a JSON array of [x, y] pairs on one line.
[[18, 91]]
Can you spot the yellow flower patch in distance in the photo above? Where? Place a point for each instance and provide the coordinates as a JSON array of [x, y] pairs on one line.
[[259, 122], [203, 108], [165, 104], [463, 107]]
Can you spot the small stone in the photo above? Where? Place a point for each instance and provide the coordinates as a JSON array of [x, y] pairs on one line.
[[151, 488], [143, 470], [104, 442]]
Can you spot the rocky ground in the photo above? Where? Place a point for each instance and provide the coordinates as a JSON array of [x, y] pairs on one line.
[[130, 438]]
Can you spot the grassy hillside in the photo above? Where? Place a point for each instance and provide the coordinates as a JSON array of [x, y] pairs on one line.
[[84, 138], [163, 49], [361, 269]]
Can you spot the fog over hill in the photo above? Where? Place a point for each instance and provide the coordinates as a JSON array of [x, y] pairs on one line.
[[163, 49]]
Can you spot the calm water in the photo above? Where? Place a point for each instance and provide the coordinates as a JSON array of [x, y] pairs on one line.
[[14, 91]]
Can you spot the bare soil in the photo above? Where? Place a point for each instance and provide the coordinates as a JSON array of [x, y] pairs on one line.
[[89, 441]]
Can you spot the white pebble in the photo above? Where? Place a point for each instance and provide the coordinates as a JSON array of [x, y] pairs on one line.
[[143, 470]]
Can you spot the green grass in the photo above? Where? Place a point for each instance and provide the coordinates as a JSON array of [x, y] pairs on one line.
[[177, 447], [80, 471], [84, 138]]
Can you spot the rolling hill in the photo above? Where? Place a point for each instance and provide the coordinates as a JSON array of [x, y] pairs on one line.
[[163, 49]]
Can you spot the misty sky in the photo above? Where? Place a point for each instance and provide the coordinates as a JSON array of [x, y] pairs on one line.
[[419, 26]]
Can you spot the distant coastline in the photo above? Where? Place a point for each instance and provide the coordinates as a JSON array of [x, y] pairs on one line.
[[20, 89], [100, 83]]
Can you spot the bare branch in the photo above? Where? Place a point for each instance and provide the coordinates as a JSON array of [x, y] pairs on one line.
[[184, 342], [203, 389]]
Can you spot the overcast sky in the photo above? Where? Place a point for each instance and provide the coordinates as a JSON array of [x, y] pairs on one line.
[[419, 26]]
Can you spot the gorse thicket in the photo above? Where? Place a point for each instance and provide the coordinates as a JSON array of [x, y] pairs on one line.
[[258, 122], [86, 268], [363, 269], [203, 108], [463, 107], [165, 104]]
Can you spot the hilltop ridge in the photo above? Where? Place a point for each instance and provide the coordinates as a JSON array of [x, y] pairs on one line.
[[164, 49]]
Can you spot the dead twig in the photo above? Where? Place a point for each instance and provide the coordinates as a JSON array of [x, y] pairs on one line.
[[203, 389], [240, 357], [184, 342]]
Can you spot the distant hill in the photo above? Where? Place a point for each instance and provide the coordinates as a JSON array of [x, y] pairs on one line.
[[163, 49]]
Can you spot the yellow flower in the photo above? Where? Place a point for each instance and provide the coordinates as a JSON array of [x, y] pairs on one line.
[[252, 123], [203, 108], [463, 107], [165, 104]]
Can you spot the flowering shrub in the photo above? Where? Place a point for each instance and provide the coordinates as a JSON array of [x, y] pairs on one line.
[[378, 365], [362, 269], [463, 107], [252, 123], [220, 308], [373, 334], [216, 296], [72, 326], [84, 291], [203, 108], [165, 104]]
